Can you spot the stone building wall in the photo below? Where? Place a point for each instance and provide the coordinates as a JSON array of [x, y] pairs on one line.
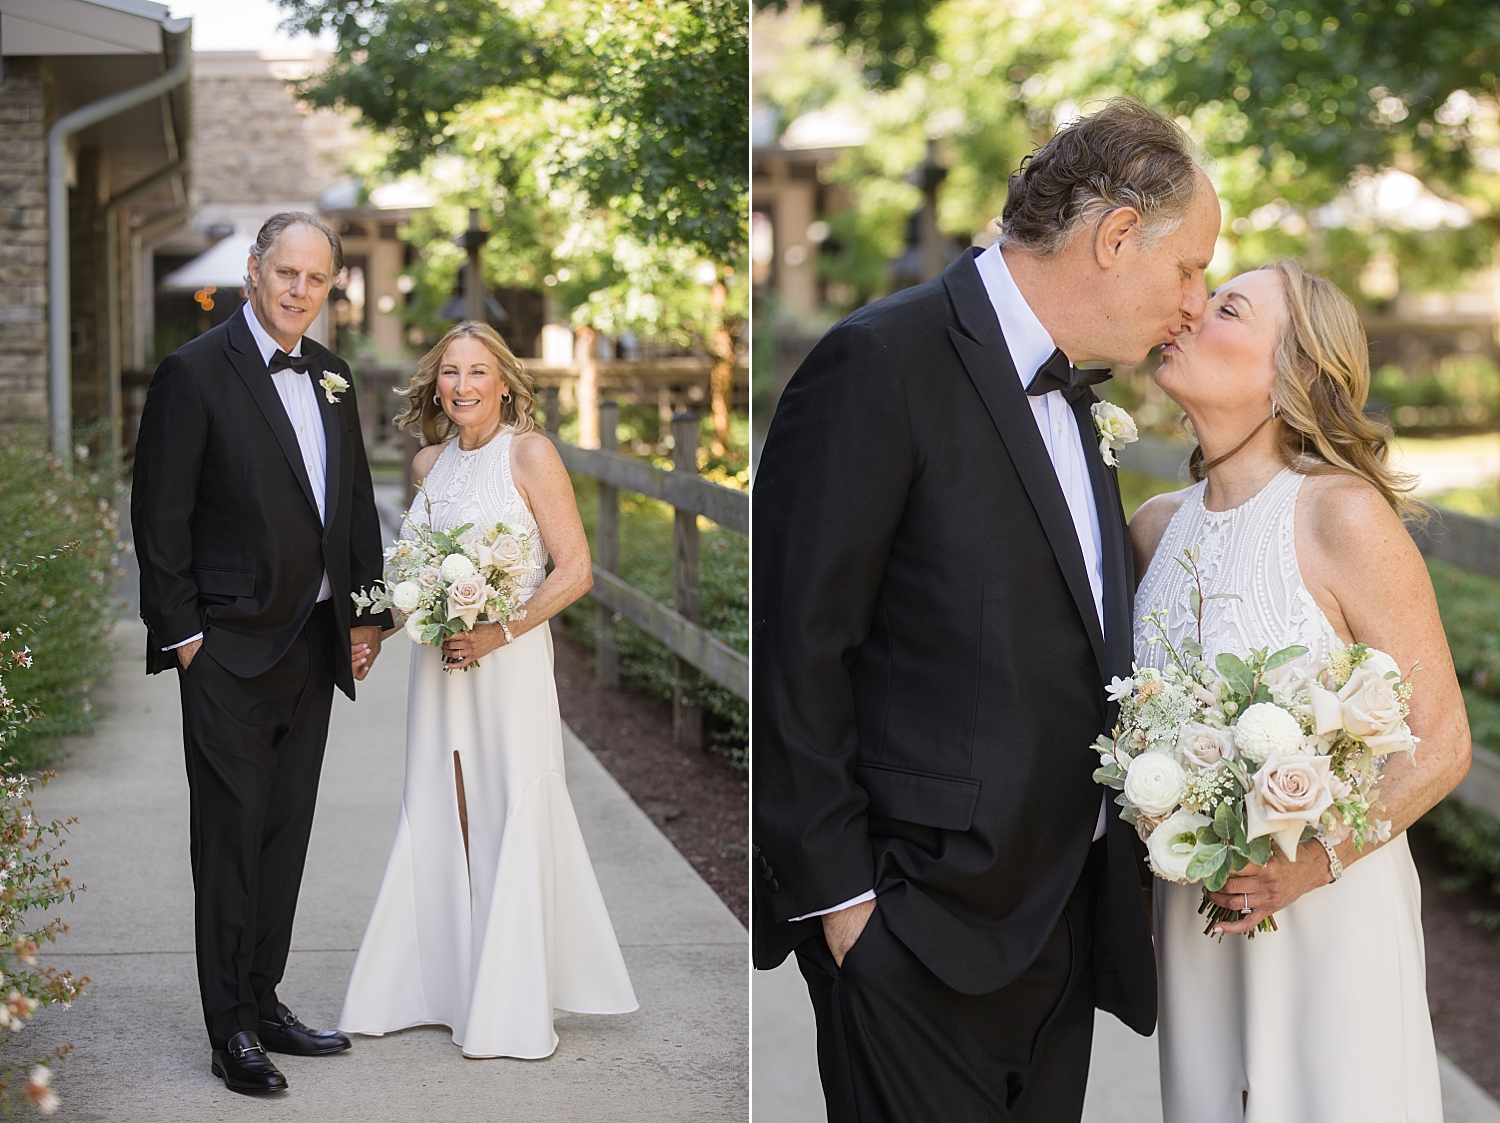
[[23, 244], [255, 143]]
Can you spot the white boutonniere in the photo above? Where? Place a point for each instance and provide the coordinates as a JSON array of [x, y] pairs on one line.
[[333, 386], [1116, 429]]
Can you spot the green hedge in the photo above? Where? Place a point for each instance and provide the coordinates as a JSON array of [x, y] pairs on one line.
[[42, 508], [646, 563]]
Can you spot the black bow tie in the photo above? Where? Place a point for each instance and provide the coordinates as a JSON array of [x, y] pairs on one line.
[[1059, 374], [282, 361]]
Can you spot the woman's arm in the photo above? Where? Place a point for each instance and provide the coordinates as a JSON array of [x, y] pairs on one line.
[[1361, 566], [543, 482]]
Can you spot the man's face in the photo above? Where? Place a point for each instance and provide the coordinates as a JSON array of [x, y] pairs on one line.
[[289, 284], [1158, 292]]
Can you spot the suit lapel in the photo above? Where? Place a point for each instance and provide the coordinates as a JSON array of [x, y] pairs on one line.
[[333, 436], [245, 358], [987, 359], [1119, 567]]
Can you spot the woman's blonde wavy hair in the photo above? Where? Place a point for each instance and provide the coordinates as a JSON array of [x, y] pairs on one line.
[[1322, 365], [427, 419]]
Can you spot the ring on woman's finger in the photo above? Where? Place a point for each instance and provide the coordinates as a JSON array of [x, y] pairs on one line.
[[1246, 910]]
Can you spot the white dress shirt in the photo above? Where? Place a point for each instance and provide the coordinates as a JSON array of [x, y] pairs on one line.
[[300, 399], [1030, 346]]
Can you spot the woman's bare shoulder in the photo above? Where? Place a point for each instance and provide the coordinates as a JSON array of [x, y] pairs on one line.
[[533, 452], [1150, 521], [422, 463], [1349, 520]]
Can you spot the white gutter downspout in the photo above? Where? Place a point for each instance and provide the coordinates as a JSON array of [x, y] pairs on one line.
[[59, 299]]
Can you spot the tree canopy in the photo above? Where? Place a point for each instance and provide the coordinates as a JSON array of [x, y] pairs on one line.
[[659, 91]]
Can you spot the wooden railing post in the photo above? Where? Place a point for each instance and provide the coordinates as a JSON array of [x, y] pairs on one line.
[[607, 554], [552, 421], [687, 717]]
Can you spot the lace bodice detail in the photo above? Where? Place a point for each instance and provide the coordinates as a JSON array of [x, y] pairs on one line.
[[1250, 550], [477, 487]]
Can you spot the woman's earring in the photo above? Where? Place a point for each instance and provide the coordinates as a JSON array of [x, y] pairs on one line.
[[1273, 406], [437, 400]]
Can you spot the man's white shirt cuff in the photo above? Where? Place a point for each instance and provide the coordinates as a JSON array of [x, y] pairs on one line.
[[867, 895], [184, 643]]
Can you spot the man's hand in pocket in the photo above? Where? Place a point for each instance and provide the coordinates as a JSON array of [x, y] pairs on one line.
[[186, 652], [841, 929]]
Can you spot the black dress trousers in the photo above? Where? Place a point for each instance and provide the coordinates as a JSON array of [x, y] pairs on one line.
[[254, 754], [897, 1045]]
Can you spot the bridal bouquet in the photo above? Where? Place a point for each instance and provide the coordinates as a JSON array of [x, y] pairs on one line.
[[1216, 763], [446, 582]]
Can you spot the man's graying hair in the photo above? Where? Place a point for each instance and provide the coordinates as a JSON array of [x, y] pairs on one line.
[[1125, 155], [276, 225]]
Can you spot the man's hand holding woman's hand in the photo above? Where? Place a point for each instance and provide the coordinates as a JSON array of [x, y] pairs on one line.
[[364, 646], [841, 929]]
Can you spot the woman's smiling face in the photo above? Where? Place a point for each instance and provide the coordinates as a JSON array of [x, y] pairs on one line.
[[1227, 365], [471, 385]]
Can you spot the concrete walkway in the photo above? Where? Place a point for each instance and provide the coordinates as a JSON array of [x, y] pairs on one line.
[[142, 1053], [1123, 1083]]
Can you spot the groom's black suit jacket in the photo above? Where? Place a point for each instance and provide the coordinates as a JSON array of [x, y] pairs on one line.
[[226, 526], [929, 668]]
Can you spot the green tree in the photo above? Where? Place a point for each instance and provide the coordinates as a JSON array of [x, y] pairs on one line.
[[662, 86]]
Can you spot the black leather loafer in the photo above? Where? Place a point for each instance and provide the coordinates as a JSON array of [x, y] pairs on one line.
[[244, 1067], [287, 1035]]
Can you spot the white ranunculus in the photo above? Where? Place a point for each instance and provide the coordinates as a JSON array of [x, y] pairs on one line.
[[1174, 842], [1202, 746], [456, 567], [1371, 709], [1286, 795], [1153, 783], [414, 625], [1262, 729], [429, 575], [406, 595], [466, 598]]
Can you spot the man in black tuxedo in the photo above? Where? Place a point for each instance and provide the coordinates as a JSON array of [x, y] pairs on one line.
[[254, 518], [942, 589]]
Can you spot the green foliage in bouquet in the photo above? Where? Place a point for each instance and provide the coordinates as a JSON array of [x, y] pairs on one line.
[[42, 505]]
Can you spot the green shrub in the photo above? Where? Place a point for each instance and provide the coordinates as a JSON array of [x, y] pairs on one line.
[[1470, 606], [42, 508], [1471, 841], [646, 563]]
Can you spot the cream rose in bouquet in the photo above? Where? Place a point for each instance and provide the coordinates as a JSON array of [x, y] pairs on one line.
[[1217, 764], [446, 582]]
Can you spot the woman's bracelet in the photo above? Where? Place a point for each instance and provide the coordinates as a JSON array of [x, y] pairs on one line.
[[1335, 867], [505, 628]]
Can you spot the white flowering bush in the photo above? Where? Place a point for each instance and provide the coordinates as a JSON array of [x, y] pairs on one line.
[[1217, 764], [446, 582], [33, 879]]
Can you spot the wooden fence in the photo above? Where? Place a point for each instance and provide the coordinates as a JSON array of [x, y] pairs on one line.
[[1461, 540], [690, 495]]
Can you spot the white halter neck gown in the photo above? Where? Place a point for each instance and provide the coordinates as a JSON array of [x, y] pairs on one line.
[[487, 943], [1326, 1019]]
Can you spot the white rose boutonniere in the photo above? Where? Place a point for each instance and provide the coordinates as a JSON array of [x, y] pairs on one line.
[[1116, 429], [333, 386]]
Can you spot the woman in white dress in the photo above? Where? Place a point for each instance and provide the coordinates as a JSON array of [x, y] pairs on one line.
[[489, 916], [1296, 511]]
